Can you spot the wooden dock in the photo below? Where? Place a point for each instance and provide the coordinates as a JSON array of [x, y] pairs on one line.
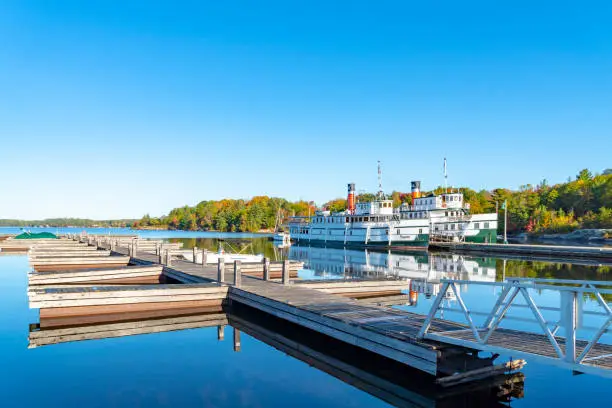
[[337, 309], [551, 252]]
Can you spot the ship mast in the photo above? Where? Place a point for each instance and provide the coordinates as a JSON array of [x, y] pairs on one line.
[[445, 177], [380, 190]]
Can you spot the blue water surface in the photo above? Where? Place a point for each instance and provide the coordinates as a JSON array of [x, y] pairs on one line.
[[173, 369]]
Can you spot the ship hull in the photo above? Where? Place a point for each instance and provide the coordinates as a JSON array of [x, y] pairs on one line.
[[421, 243]]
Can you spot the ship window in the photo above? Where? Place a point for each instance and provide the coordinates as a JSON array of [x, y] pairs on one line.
[[476, 225], [452, 226], [446, 226], [397, 231], [486, 225], [347, 219], [420, 230]]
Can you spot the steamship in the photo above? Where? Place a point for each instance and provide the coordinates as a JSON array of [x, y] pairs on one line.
[[377, 224]]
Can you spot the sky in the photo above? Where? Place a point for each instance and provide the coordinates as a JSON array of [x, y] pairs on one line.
[[114, 109]]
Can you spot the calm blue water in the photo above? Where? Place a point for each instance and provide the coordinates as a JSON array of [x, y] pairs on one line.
[[184, 368], [192, 368]]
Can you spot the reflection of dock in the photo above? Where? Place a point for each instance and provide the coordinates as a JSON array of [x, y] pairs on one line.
[[385, 379], [50, 336], [390, 381]]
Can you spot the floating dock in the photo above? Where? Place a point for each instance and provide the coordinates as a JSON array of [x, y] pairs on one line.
[[337, 309], [552, 252]]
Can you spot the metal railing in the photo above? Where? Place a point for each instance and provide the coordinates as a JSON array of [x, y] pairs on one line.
[[571, 292]]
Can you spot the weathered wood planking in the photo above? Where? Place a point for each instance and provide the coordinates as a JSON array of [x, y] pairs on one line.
[[118, 309], [49, 264], [93, 296], [43, 256], [303, 306], [93, 275], [531, 344]]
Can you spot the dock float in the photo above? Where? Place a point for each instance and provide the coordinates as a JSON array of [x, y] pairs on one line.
[[522, 250]]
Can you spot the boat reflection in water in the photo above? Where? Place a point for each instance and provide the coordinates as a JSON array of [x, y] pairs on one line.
[[424, 270]]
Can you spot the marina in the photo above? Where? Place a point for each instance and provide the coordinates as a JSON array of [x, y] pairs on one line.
[[329, 307], [351, 306]]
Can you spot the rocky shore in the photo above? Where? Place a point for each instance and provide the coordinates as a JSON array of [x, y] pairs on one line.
[[584, 236]]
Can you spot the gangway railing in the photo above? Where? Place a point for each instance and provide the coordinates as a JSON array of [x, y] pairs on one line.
[[575, 353]]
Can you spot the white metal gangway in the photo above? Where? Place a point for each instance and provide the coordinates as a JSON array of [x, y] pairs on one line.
[[587, 354]]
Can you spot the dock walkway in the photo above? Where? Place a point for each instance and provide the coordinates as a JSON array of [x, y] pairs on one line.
[[389, 332], [392, 333]]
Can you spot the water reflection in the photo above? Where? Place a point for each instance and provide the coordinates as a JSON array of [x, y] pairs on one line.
[[392, 382]]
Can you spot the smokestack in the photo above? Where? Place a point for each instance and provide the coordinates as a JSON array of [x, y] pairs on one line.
[[350, 199], [416, 189]]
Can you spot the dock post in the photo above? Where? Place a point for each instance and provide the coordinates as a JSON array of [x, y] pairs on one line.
[[220, 270], [135, 247], [285, 272], [204, 257], [168, 257], [237, 274], [158, 248], [195, 253], [220, 332], [130, 249], [236, 340], [569, 319], [266, 269]]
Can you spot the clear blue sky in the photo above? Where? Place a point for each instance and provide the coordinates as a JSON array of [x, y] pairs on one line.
[[118, 108]]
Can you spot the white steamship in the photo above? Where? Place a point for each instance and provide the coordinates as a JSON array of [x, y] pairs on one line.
[[377, 224]]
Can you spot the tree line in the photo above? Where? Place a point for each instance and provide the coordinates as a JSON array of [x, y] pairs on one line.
[[257, 214], [582, 202], [67, 222]]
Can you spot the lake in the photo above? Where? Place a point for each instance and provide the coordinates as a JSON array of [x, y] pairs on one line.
[[193, 368]]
